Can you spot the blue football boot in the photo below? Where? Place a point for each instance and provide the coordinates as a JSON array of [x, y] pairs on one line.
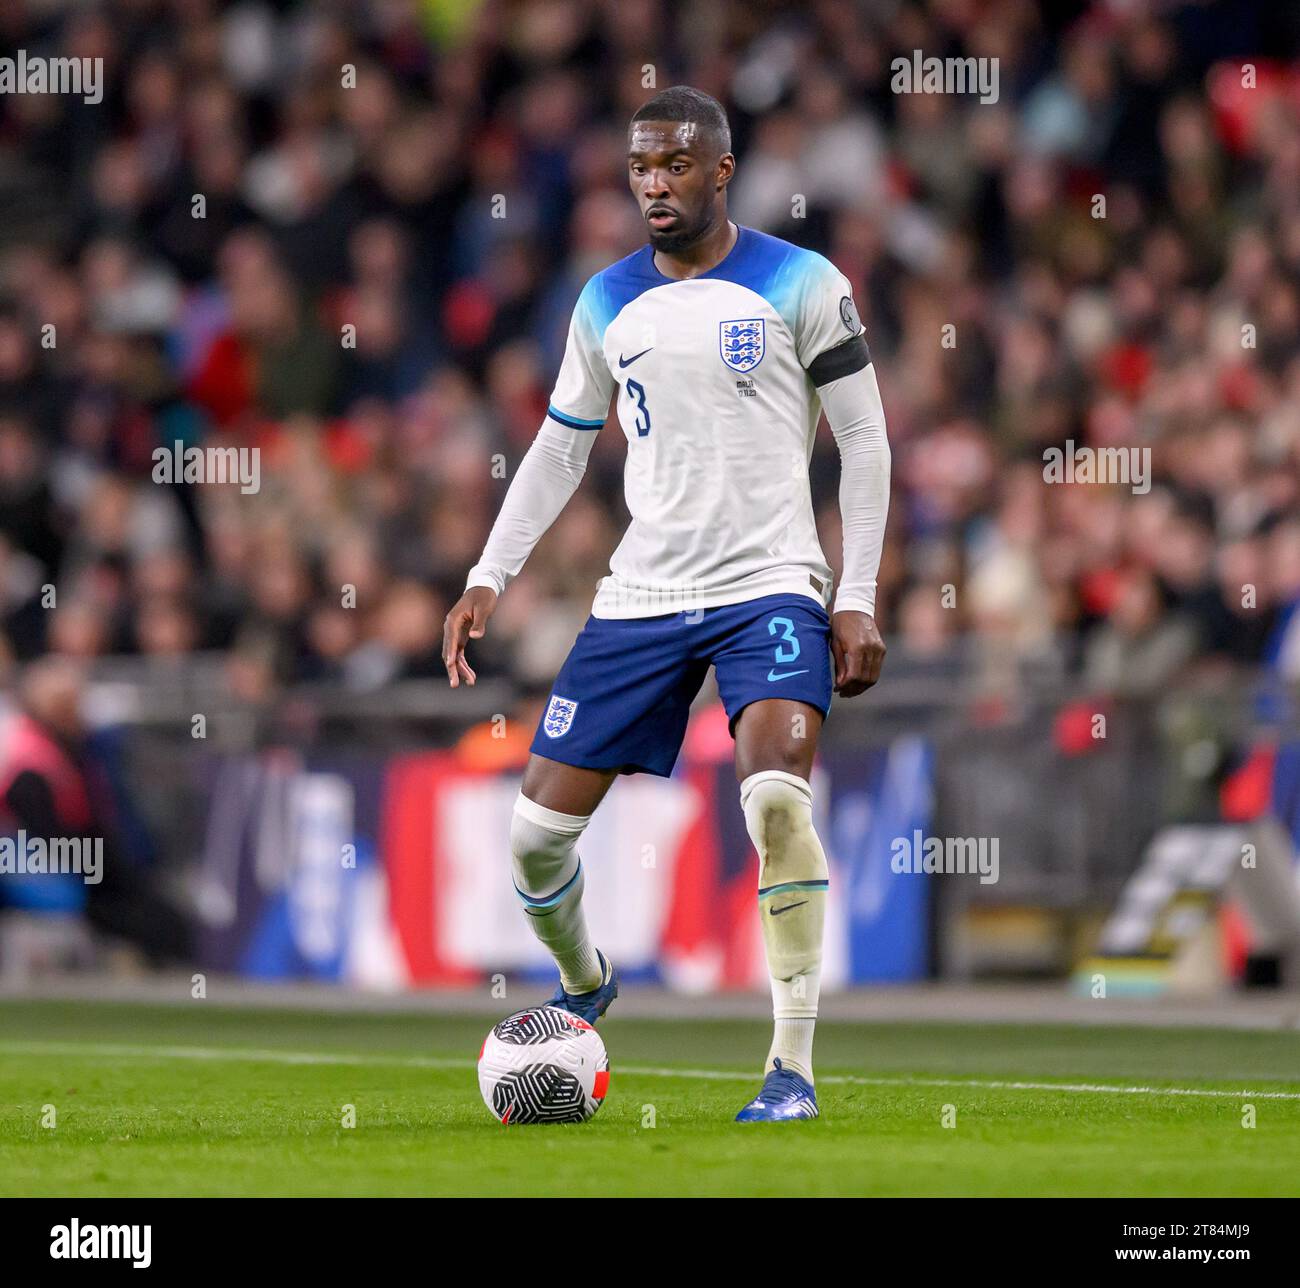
[[590, 1006], [784, 1096]]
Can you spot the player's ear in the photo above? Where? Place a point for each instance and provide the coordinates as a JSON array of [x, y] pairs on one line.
[[726, 168]]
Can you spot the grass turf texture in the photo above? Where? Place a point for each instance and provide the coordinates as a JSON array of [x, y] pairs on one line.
[[195, 1099]]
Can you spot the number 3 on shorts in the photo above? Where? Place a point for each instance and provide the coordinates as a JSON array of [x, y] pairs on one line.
[[786, 627]]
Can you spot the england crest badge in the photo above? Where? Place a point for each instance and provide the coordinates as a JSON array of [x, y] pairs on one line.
[[559, 716], [741, 342]]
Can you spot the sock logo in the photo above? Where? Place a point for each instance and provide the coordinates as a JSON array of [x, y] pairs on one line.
[[776, 912]]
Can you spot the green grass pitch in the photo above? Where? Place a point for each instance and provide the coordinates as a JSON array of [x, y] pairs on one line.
[[196, 1099]]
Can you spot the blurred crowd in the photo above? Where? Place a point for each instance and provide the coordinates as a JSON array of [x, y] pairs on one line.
[[351, 234]]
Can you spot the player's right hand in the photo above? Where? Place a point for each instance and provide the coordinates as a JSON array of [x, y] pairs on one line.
[[467, 620]]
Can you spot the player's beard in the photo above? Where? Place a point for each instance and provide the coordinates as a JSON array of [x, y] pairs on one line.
[[672, 240]]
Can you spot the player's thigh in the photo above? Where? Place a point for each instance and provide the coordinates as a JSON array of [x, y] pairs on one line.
[[569, 789], [773, 664], [777, 733]]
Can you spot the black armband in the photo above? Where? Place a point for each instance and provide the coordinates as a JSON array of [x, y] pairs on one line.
[[841, 361]]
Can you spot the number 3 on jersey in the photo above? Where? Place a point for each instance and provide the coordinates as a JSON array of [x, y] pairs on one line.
[[635, 389]]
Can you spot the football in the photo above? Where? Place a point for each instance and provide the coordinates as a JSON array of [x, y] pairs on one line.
[[543, 1065]]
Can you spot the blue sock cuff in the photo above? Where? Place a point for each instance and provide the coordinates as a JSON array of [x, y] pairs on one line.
[[550, 900]]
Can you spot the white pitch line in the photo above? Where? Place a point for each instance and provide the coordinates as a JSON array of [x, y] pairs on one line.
[[855, 1079], [257, 1055], [272, 1056]]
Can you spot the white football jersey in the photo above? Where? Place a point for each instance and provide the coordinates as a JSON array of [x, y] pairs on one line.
[[719, 410], [719, 413]]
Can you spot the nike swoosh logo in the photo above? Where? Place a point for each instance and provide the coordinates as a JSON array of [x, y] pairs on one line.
[[627, 362], [776, 912], [784, 675]]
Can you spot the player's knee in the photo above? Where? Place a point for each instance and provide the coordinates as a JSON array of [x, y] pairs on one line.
[[543, 847], [777, 755], [778, 816]]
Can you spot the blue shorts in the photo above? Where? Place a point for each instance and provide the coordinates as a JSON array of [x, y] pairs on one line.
[[623, 696]]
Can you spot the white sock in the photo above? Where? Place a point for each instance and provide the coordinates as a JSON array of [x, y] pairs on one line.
[[792, 1044], [793, 881], [549, 882]]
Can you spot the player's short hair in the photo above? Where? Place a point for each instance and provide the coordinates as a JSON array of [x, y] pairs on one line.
[[683, 103]]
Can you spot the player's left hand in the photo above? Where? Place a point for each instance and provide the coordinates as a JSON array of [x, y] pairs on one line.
[[859, 653]]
